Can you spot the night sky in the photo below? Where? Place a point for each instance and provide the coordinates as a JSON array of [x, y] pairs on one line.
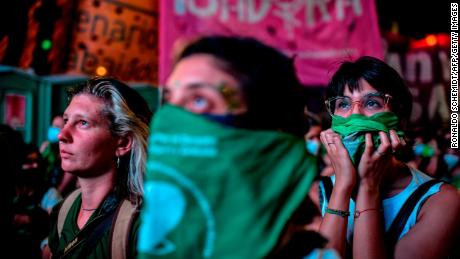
[[432, 16]]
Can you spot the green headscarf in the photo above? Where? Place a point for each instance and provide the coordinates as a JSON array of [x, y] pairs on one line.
[[353, 128]]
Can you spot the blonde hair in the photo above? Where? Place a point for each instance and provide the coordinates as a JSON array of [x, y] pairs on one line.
[[128, 114]]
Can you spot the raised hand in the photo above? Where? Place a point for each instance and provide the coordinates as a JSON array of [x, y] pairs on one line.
[[343, 167]]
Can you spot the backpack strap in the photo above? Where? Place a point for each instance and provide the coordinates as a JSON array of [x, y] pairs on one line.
[[88, 236], [121, 229], [95, 234], [396, 228], [65, 207]]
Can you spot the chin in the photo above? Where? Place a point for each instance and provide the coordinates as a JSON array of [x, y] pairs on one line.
[[69, 168]]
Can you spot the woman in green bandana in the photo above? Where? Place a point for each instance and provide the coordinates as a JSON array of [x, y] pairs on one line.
[[227, 164], [362, 202]]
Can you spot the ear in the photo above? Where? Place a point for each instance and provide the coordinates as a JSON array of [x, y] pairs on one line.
[[124, 145]]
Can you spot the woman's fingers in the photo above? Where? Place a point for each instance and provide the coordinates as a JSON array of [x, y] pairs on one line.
[[329, 141], [340, 160], [369, 146], [322, 137], [385, 145], [396, 143], [373, 163]]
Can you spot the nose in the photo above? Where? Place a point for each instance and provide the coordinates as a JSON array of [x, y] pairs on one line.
[[175, 97], [174, 100], [356, 108], [64, 134]]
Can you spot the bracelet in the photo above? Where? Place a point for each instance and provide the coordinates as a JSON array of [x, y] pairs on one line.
[[340, 213], [358, 213]]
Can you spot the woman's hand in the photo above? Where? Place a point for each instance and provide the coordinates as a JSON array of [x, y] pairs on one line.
[[374, 163], [344, 171]]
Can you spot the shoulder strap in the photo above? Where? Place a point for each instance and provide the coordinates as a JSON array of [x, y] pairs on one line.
[[401, 218], [121, 229], [96, 235], [88, 236], [66, 205], [327, 183]]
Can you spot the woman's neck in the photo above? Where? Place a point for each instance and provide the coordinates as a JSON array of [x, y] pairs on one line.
[[93, 192], [95, 189], [396, 179]]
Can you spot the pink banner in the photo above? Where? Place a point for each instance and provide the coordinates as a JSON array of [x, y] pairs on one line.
[[319, 33]]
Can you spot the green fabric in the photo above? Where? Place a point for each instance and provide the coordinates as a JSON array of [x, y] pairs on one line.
[[70, 230], [218, 192], [50, 155], [353, 128], [455, 181]]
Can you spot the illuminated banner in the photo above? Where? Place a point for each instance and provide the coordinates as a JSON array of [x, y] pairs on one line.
[[318, 33], [118, 38], [426, 72]]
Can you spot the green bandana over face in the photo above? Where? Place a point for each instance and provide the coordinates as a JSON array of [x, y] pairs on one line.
[[353, 128], [218, 192]]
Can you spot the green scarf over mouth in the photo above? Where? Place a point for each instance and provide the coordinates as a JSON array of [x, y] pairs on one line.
[[218, 192], [353, 129]]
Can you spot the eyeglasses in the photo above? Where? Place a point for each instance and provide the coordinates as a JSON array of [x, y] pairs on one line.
[[370, 103]]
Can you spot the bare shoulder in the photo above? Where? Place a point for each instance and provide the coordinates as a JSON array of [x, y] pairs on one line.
[[436, 227], [446, 202], [449, 193]]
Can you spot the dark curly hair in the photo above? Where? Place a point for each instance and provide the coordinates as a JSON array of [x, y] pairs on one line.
[[380, 76]]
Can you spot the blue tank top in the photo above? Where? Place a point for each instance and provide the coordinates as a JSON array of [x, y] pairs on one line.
[[392, 205]]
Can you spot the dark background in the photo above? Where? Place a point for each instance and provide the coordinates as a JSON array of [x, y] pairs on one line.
[[415, 18]]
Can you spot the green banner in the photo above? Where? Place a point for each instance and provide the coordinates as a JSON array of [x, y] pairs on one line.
[[213, 191]]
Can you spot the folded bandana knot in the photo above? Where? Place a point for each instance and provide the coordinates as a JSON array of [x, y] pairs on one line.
[[353, 129]]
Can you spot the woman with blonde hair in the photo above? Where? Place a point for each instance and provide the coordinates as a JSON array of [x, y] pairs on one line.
[[103, 143]]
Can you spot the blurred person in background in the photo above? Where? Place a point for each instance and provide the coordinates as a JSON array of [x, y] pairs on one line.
[[316, 148], [227, 165], [11, 154], [312, 140], [451, 158], [314, 145], [31, 219]]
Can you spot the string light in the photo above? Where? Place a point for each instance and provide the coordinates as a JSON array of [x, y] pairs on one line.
[[46, 44], [431, 40], [101, 71]]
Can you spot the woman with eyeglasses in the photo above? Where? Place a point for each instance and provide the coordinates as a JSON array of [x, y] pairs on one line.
[[375, 206]]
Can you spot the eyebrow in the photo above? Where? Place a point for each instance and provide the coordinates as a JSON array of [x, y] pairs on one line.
[[229, 94], [370, 93], [78, 116], [197, 85]]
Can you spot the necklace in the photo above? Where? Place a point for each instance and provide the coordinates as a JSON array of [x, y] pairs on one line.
[[88, 209]]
